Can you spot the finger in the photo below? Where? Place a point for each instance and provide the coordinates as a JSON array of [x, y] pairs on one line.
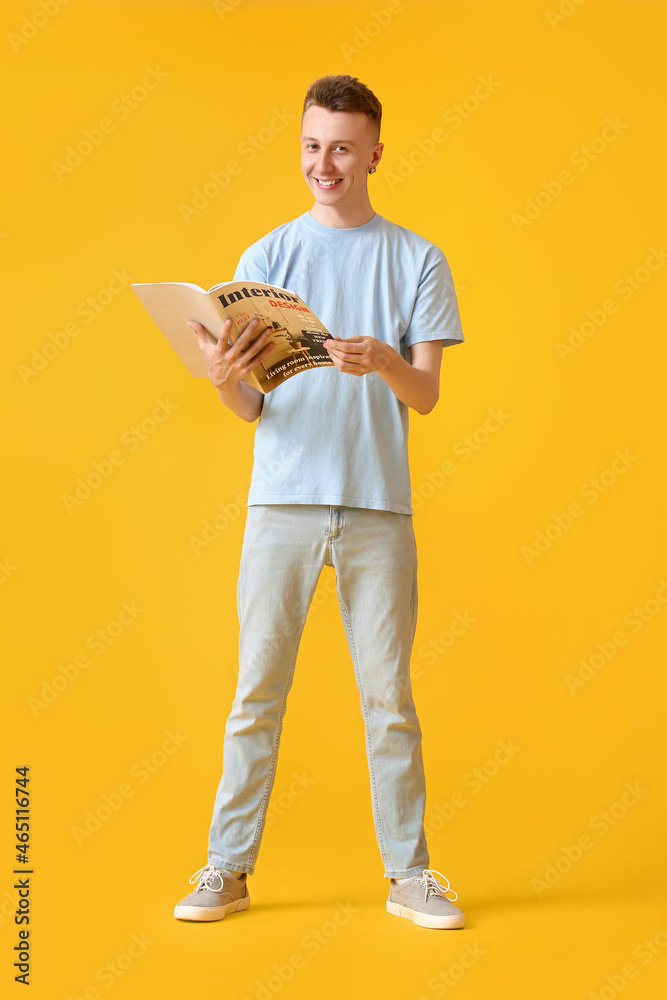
[[356, 366], [259, 349], [352, 354], [258, 358], [200, 332], [346, 347], [223, 337], [245, 335], [341, 363], [338, 359]]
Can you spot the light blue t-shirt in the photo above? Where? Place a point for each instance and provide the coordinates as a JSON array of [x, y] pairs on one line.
[[326, 436]]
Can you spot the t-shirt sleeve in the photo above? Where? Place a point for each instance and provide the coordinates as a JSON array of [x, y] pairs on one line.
[[252, 265], [435, 314]]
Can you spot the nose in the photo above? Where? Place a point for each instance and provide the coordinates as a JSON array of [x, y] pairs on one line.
[[323, 164]]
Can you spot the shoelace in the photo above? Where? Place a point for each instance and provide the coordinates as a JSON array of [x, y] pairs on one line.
[[204, 875], [431, 884]]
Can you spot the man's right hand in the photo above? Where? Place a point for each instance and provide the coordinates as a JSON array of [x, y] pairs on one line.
[[227, 363]]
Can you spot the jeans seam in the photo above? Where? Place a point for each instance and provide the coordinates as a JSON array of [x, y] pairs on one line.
[[371, 762], [276, 743], [328, 556]]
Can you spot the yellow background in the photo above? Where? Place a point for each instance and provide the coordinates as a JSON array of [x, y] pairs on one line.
[[521, 286]]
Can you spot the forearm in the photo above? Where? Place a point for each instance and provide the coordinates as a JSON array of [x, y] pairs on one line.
[[243, 400], [413, 386]]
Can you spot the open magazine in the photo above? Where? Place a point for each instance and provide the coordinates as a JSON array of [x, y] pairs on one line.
[[298, 335]]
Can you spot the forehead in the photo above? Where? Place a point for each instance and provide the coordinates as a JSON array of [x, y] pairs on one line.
[[322, 123]]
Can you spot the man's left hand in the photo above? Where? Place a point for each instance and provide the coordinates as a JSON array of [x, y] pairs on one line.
[[359, 355]]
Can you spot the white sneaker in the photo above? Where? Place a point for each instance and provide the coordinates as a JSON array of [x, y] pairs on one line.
[[423, 901], [218, 893]]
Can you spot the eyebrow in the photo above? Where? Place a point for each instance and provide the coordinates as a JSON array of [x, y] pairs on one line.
[[346, 141]]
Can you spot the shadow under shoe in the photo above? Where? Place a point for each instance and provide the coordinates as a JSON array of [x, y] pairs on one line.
[[217, 893]]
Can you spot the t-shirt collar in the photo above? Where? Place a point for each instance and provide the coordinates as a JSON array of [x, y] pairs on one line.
[[318, 227]]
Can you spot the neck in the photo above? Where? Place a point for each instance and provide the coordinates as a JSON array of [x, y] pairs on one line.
[[342, 218]]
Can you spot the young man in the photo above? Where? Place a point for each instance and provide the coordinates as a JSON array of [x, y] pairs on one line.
[[331, 486]]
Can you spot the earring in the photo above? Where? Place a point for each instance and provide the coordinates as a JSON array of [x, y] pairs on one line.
[[372, 170]]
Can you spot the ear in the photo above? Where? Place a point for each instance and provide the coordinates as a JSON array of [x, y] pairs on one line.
[[377, 154]]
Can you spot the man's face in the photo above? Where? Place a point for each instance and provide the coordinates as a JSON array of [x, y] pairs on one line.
[[338, 146]]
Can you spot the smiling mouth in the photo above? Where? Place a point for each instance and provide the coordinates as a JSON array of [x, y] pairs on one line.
[[327, 185]]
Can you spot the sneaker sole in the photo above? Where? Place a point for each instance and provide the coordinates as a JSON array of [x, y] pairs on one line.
[[426, 919], [211, 912]]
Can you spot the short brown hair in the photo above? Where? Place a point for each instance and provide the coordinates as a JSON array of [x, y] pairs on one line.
[[343, 93]]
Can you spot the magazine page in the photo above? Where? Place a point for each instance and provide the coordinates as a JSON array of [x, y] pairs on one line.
[[171, 304]]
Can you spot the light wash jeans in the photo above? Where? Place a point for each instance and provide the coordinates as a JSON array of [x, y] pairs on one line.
[[374, 555]]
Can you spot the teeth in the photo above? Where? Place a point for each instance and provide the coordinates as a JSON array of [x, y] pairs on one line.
[[327, 183]]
